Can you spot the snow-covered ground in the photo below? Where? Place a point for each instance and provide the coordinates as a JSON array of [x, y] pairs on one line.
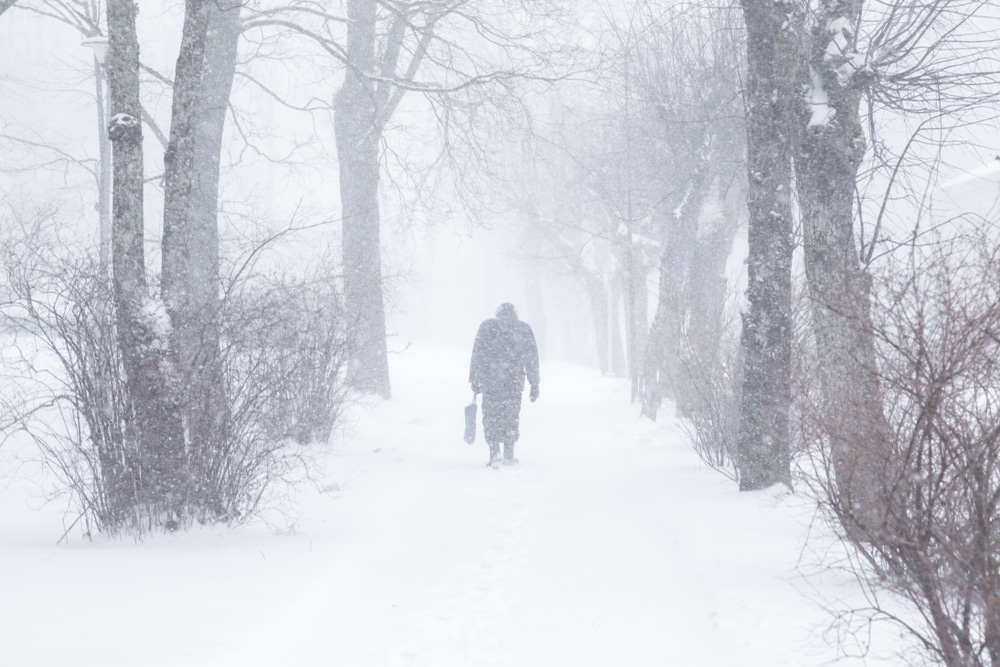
[[610, 544]]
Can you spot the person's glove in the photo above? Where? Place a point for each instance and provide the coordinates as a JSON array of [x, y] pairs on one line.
[[476, 388], [533, 395]]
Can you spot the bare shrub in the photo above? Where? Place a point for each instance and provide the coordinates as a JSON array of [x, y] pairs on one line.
[[282, 359], [286, 353], [708, 385], [66, 384], [936, 544], [709, 403]]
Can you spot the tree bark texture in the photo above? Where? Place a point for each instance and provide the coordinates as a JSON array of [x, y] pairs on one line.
[[357, 132], [206, 403], [179, 187], [155, 428], [831, 152], [763, 455]]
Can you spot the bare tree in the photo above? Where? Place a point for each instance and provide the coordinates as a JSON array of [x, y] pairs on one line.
[[393, 48], [207, 407], [902, 56], [358, 126], [688, 92], [141, 332], [832, 150], [560, 190]]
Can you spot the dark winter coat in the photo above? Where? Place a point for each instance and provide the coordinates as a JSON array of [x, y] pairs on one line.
[[502, 356]]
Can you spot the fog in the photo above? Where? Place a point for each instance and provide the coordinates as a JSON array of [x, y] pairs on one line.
[[444, 272], [584, 161]]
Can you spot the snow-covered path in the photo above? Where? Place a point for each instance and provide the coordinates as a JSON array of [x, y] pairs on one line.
[[608, 545]]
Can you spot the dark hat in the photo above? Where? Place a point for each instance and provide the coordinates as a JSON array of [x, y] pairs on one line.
[[507, 310]]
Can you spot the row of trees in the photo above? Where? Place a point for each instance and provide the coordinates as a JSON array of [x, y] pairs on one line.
[[881, 385], [896, 413], [679, 122]]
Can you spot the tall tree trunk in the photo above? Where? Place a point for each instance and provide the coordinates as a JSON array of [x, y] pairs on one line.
[[616, 345], [179, 179], [357, 131], [763, 456], [675, 275], [207, 406], [684, 338], [598, 297], [654, 368], [636, 316], [832, 149], [156, 428]]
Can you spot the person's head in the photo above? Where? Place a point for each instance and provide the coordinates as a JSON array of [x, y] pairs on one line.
[[507, 311]]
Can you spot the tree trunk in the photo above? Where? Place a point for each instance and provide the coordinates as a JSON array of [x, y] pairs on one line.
[[654, 367], [616, 346], [636, 317], [357, 133], [156, 428], [832, 149], [207, 406], [763, 456], [684, 340], [675, 276], [178, 225], [599, 315]]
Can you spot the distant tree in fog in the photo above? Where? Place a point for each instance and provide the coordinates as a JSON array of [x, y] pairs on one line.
[[616, 172], [689, 83], [441, 51]]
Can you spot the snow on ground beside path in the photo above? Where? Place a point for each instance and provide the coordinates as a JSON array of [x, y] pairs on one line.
[[608, 545]]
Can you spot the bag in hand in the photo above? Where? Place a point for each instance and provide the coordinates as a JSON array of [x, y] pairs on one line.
[[470, 421]]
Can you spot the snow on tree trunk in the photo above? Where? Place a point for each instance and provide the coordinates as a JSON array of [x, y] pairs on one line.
[[155, 426], [358, 131], [832, 149], [179, 180], [763, 454]]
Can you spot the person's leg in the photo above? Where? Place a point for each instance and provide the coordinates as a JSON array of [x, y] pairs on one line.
[[493, 423], [512, 423]]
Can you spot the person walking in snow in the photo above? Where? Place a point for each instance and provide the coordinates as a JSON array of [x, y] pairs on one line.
[[503, 355]]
